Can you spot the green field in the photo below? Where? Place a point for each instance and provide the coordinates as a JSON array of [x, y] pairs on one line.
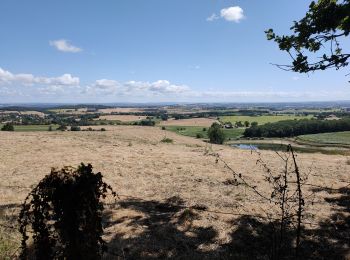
[[328, 138], [261, 119], [192, 131], [32, 128]]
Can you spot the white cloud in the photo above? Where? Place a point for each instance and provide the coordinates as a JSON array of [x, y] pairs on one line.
[[232, 14], [160, 87], [7, 77], [64, 46], [213, 17], [103, 87]]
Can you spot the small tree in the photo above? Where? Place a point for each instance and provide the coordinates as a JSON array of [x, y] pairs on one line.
[[254, 124], [239, 124], [216, 134], [246, 123], [8, 127]]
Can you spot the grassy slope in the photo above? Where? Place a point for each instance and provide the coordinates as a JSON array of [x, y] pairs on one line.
[[328, 138], [261, 119], [32, 128], [193, 130]]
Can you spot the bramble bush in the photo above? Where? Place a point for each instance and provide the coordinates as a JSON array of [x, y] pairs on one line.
[[63, 215]]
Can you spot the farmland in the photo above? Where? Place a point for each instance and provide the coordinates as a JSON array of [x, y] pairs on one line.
[[327, 138], [159, 162], [160, 185], [32, 128], [193, 131], [263, 119]]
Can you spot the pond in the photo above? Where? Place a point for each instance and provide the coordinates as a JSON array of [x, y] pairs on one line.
[[284, 148], [261, 146]]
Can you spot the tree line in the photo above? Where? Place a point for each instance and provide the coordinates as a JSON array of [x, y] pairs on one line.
[[289, 128]]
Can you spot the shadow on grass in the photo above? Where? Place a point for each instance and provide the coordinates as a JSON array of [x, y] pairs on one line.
[[161, 237]]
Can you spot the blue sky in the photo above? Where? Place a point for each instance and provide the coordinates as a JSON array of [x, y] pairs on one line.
[[153, 50]]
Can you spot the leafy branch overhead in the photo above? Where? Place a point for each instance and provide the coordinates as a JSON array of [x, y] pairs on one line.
[[322, 31]]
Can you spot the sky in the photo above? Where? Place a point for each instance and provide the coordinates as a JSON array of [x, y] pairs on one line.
[[153, 51]]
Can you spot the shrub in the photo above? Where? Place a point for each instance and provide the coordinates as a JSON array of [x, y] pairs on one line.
[[62, 128], [8, 127], [75, 128], [199, 135], [146, 122], [204, 129], [50, 128], [65, 214], [103, 129], [163, 128], [216, 134], [167, 140]]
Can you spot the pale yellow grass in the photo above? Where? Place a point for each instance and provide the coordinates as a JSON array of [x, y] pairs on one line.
[[136, 163], [189, 122], [120, 110], [123, 118], [41, 114]]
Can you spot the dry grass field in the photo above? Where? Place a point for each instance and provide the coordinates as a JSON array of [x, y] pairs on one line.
[[120, 110], [161, 186], [205, 122], [123, 118]]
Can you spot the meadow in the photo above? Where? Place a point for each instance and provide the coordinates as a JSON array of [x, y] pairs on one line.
[[32, 128], [327, 138], [193, 131], [262, 119]]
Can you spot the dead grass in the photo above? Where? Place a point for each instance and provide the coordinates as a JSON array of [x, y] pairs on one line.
[[123, 118], [205, 122], [120, 110], [155, 180]]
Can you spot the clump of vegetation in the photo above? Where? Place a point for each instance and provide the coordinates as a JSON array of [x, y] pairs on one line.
[[8, 127], [62, 128], [216, 134], [163, 128], [64, 212], [103, 129], [204, 129], [146, 122], [50, 128], [199, 135], [75, 128], [167, 140]]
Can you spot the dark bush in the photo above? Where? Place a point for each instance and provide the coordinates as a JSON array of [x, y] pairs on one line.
[[147, 122], [163, 128], [8, 127], [64, 212], [167, 140], [199, 135], [75, 128], [62, 128]]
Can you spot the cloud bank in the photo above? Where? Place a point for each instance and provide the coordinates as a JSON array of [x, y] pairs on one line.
[[25, 87]]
